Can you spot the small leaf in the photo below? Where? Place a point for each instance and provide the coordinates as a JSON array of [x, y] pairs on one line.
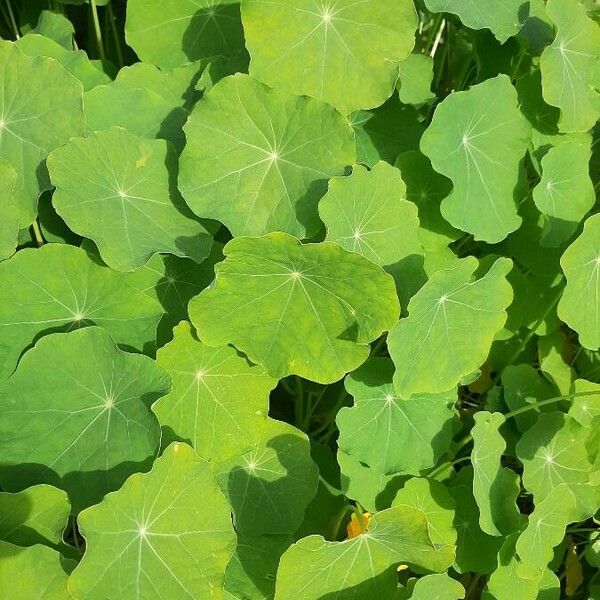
[[438, 586], [415, 78]]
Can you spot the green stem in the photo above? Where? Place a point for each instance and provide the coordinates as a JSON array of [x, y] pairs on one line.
[[327, 426], [313, 407], [97, 29], [113, 27], [13, 21], [473, 585], [378, 345], [583, 530], [37, 233], [337, 523]]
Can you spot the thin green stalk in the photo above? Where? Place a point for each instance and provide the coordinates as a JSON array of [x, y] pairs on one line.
[[97, 29], [583, 530], [313, 407], [13, 21], [117, 38], [334, 530], [378, 345], [37, 233], [327, 426]]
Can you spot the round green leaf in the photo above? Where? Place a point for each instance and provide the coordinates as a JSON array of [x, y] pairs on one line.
[[58, 288], [585, 409], [477, 138], [165, 534], [439, 586], [579, 306], [413, 434], [569, 66], [309, 310], [270, 486], [117, 189], [345, 53], [170, 33], [9, 226], [76, 415], [42, 109], [258, 159], [218, 398], [439, 313], [415, 79]]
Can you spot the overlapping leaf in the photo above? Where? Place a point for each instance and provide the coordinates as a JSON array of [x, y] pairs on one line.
[[9, 227]]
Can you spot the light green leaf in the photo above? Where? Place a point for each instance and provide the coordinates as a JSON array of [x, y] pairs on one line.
[[553, 452], [37, 515], [346, 53], [438, 315], [504, 19], [76, 412], [568, 66], [270, 486], [439, 586], [551, 349], [413, 434], [565, 191], [165, 534], [431, 498], [33, 573], [477, 138], [58, 288], [218, 399], [75, 62], [42, 110], [57, 27], [495, 488], [133, 190], [369, 214], [9, 226], [258, 159], [309, 310], [171, 33], [415, 79], [585, 409], [364, 566], [579, 306]]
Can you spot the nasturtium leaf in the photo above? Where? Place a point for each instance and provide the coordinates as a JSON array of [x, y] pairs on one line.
[[569, 66], [415, 78], [495, 487], [218, 399], [386, 131], [371, 488], [545, 530], [9, 226], [345, 53], [128, 205], [309, 310], [413, 434], [76, 412], [368, 213], [438, 314], [171, 33], [165, 534], [504, 19], [270, 486], [57, 27], [431, 498], [33, 573], [475, 550], [58, 288], [75, 62], [585, 409], [439, 586], [565, 191], [363, 566], [553, 452], [37, 515], [426, 188], [477, 138], [41, 109], [551, 349], [258, 159], [579, 306]]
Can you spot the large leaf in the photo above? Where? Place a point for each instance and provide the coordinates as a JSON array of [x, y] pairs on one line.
[[579, 305], [76, 415], [345, 53], [171, 33], [437, 317], [309, 310], [114, 177], [59, 288], [9, 227], [42, 109], [270, 486], [504, 18], [218, 398], [569, 66], [165, 534], [477, 138], [413, 434], [258, 159], [363, 566]]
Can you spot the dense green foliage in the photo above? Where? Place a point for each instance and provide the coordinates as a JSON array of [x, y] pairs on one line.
[[299, 299]]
